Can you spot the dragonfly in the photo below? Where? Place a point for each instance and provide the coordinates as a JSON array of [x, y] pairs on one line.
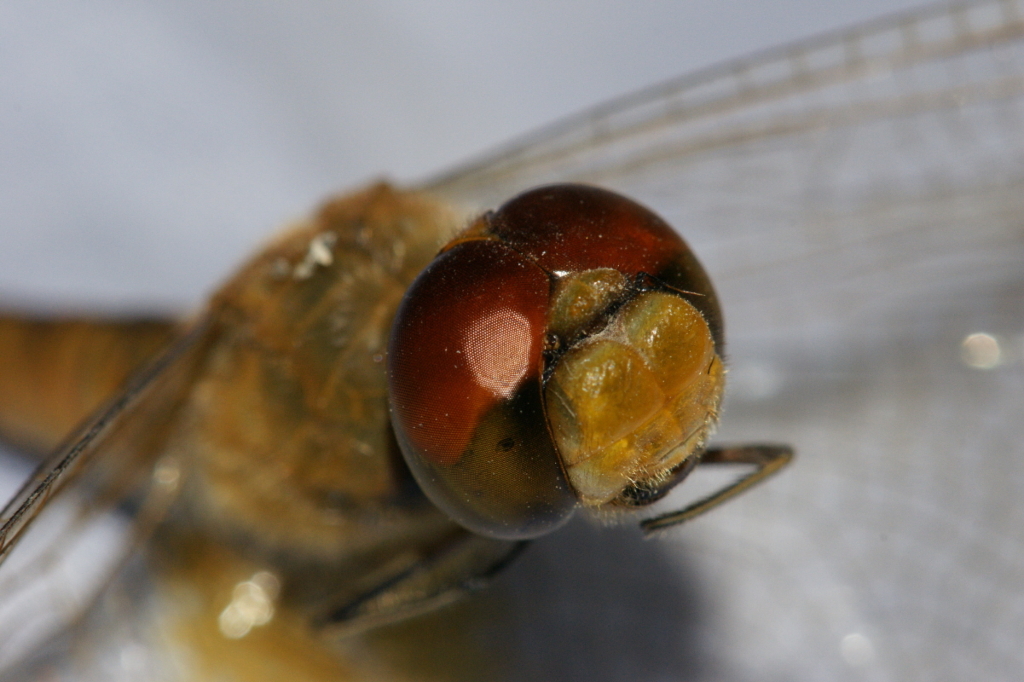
[[854, 200]]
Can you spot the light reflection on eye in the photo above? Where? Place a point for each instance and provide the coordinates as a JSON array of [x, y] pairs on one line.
[[497, 348], [252, 604]]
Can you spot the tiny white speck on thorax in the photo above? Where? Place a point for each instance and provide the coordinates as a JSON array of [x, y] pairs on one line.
[[319, 253]]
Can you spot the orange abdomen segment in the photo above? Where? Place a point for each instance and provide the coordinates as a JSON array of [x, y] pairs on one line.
[[56, 371]]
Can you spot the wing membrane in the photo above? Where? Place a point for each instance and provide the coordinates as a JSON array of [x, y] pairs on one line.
[[857, 201], [92, 501], [156, 391], [939, 58], [859, 161]]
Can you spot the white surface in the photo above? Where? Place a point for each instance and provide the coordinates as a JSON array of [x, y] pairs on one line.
[[145, 148]]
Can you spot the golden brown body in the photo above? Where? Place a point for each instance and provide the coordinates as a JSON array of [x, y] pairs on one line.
[[286, 424], [281, 435], [288, 421], [262, 434], [54, 372]]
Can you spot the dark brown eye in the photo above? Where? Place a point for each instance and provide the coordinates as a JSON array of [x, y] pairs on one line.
[[507, 431]]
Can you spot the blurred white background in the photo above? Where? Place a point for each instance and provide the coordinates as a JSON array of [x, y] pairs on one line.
[[146, 148]]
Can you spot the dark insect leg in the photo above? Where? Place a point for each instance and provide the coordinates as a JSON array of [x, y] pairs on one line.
[[767, 458], [461, 564]]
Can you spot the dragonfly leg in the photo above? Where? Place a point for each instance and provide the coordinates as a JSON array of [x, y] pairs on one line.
[[768, 459]]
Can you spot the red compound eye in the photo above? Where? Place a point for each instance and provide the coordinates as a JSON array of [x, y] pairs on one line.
[[466, 360], [575, 228], [464, 364]]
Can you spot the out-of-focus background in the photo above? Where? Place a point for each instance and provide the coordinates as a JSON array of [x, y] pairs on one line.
[[859, 207], [145, 149]]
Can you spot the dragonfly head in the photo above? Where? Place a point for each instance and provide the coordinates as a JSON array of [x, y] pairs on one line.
[[562, 351]]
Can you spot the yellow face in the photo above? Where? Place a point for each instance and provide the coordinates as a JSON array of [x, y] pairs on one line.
[[630, 404]]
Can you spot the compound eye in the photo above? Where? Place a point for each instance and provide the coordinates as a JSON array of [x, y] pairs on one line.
[[465, 363], [563, 350], [574, 229]]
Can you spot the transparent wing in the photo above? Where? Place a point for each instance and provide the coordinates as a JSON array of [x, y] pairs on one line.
[[858, 200], [91, 502], [904, 68]]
